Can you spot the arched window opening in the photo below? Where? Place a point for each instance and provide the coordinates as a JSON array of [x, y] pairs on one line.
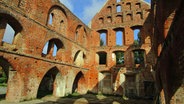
[[137, 37], [119, 38], [52, 47], [102, 58], [103, 38], [118, 8], [139, 56], [9, 34], [47, 84], [119, 57], [51, 16]]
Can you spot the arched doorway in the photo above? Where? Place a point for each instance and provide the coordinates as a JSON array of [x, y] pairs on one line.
[[79, 84], [47, 84]]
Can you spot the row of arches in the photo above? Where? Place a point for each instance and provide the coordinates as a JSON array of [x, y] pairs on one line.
[[52, 82], [58, 21], [138, 57]]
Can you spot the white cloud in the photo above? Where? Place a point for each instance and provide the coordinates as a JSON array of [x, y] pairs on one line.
[[68, 4], [90, 10]]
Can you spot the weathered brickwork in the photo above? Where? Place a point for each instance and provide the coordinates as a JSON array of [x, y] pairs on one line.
[[168, 45], [127, 42]]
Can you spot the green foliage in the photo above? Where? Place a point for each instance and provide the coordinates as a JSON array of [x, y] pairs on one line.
[[3, 78], [119, 58]]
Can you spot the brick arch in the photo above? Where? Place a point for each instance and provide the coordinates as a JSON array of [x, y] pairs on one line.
[[79, 85], [49, 51], [14, 82], [79, 58], [81, 34], [48, 82], [9, 19], [57, 19]]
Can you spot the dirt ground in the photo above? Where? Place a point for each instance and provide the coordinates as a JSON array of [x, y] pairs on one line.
[[84, 99]]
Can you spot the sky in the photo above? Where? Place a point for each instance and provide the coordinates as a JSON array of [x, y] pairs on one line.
[[85, 10]]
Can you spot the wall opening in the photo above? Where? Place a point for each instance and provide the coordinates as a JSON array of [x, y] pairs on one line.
[[130, 86], [138, 15], [139, 56], [119, 57], [4, 73], [102, 58], [46, 86], [103, 38], [119, 38], [137, 37], [51, 16], [9, 34], [52, 47], [75, 87], [118, 8], [119, 19]]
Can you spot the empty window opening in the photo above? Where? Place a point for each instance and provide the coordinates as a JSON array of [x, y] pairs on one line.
[[119, 57], [51, 15], [52, 47], [128, 6], [9, 34], [119, 38], [55, 50], [109, 8], [118, 8], [118, 1], [45, 49], [103, 39], [137, 37], [102, 58], [101, 20], [79, 58], [109, 19], [129, 17], [139, 56], [138, 5]]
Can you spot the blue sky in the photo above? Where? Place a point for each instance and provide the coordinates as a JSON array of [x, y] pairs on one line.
[[85, 9]]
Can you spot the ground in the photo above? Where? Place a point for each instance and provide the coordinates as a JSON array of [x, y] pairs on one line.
[[81, 99]]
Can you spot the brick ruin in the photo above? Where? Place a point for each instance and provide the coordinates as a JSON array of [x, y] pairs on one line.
[[131, 48]]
